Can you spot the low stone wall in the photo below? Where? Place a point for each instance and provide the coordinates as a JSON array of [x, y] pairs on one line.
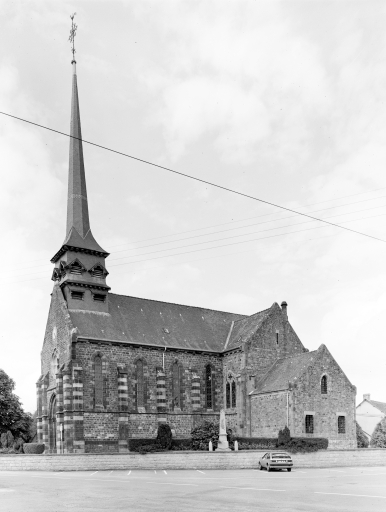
[[186, 460]]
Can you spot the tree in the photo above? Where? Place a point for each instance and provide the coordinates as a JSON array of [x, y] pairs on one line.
[[378, 439], [362, 440], [12, 416]]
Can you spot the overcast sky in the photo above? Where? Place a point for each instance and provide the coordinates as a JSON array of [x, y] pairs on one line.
[[284, 101]]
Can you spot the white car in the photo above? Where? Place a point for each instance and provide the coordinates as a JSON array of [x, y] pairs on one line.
[[276, 460]]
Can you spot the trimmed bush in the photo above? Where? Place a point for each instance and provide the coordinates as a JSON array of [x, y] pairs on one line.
[[362, 439], [135, 444], [34, 448], [202, 434], [305, 444], [284, 436], [181, 444], [378, 439], [256, 443], [164, 436]]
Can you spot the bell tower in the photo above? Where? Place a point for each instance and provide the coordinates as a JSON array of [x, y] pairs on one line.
[[80, 266]]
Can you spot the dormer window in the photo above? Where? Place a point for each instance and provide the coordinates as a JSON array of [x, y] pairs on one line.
[[77, 295], [99, 271], [76, 268], [99, 297]]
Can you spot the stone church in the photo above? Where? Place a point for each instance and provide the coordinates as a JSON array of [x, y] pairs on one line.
[[113, 367]]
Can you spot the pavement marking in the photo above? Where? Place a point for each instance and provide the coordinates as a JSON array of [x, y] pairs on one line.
[[95, 472], [328, 469], [7, 490], [169, 483], [200, 471], [129, 472], [355, 495], [251, 488], [110, 472], [165, 472]]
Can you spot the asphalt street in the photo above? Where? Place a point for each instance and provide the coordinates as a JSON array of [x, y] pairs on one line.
[[340, 489]]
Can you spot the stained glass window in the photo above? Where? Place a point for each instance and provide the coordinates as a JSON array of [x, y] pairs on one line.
[[309, 424], [341, 425], [140, 394], [176, 385], [323, 385], [233, 394], [209, 387], [98, 381], [228, 395]]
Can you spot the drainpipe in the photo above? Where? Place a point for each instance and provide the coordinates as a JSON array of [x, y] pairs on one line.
[[163, 359], [288, 409]]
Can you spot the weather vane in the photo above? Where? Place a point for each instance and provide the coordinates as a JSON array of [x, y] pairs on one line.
[[73, 30]]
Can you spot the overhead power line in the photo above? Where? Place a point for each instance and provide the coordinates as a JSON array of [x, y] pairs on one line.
[[200, 180]]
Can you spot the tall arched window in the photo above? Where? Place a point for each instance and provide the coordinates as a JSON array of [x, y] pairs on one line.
[[209, 386], [323, 385], [234, 393], [98, 379], [140, 385], [176, 384], [228, 395]]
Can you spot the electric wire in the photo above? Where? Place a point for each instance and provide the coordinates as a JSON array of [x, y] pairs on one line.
[[200, 180]]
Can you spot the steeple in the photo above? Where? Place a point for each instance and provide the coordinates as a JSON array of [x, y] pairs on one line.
[[80, 262]]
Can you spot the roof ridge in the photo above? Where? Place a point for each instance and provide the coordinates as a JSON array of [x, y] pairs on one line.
[[254, 314], [183, 305]]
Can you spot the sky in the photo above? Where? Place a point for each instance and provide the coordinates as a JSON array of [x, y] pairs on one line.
[[283, 101]]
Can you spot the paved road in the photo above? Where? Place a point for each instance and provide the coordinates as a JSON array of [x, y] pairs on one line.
[[327, 490]]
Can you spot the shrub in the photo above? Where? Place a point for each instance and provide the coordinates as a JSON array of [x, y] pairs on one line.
[[135, 444], [378, 439], [306, 444], [256, 443], [202, 434], [284, 436], [181, 444], [35, 448], [362, 440], [164, 436]]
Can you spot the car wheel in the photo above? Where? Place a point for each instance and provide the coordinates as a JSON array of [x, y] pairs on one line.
[[260, 467], [268, 468], [289, 469]]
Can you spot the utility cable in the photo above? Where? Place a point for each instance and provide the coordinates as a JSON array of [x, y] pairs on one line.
[[200, 180]]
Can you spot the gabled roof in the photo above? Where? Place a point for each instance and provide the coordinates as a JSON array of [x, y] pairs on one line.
[[381, 406], [246, 326], [284, 371], [151, 322]]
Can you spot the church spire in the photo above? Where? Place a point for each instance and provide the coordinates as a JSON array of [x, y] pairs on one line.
[[78, 232], [77, 205]]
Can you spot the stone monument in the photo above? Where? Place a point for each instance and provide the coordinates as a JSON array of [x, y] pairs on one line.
[[223, 445]]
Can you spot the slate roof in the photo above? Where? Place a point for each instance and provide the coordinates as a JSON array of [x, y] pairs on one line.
[[151, 322], [246, 326], [284, 371], [379, 405]]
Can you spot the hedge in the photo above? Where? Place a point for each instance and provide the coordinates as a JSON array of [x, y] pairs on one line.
[[146, 445], [305, 444], [256, 443], [35, 448]]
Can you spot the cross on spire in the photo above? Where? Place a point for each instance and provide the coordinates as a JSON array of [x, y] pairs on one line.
[[74, 28]]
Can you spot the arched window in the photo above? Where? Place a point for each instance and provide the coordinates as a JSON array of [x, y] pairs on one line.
[[323, 385], [140, 385], [98, 379], [54, 364], [176, 384], [209, 386], [228, 395], [234, 393]]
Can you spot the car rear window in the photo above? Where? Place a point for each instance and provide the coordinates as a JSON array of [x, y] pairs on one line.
[[281, 455]]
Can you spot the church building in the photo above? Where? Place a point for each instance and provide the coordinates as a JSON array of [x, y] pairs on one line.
[[113, 367]]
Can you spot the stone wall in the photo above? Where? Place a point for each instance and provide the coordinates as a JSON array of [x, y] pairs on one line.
[[187, 460], [269, 414]]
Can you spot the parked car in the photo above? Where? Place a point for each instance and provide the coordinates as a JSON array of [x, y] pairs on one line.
[[276, 460]]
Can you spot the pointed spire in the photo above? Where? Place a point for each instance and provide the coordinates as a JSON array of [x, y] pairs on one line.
[[78, 232], [77, 205]]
